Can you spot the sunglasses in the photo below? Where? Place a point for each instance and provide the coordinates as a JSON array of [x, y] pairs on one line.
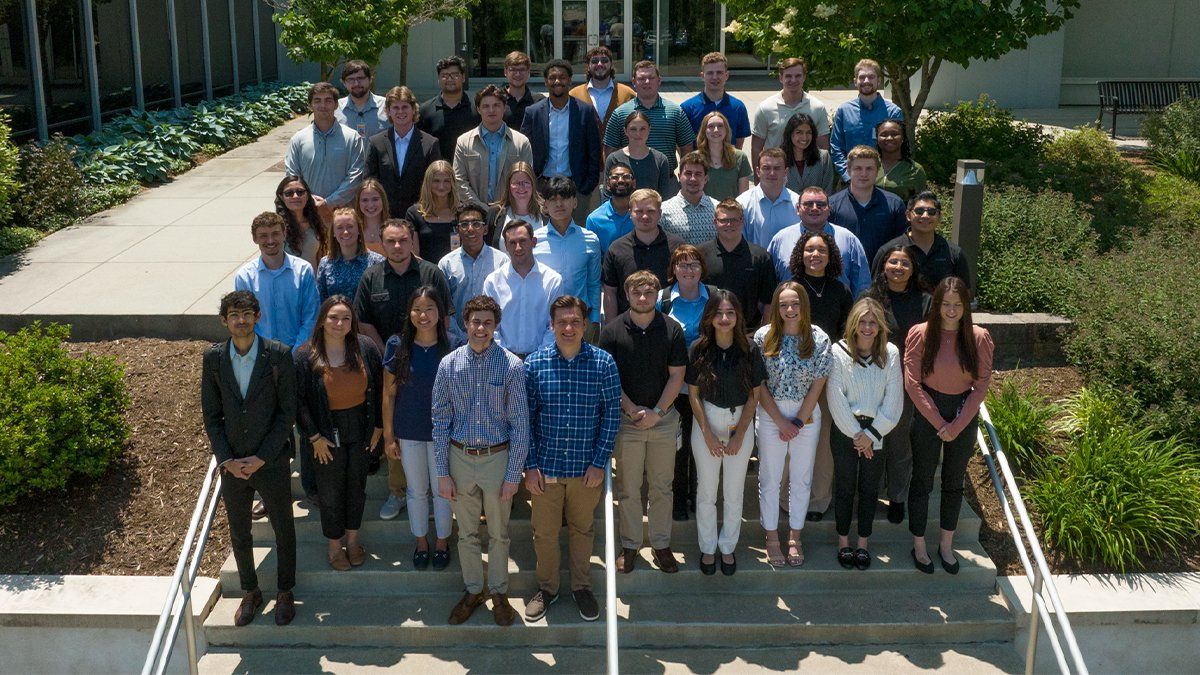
[[599, 60], [295, 192], [814, 204], [925, 211]]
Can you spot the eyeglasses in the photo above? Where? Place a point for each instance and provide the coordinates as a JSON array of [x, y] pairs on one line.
[[812, 204], [688, 267], [599, 60], [729, 221], [926, 210], [450, 75], [295, 192], [472, 224]]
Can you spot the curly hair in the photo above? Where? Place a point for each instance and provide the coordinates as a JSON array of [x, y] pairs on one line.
[[833, 269]]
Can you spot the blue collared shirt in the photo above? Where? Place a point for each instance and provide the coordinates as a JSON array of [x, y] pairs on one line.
[[576, 257], [609, 225], [601, 97], [558, 160], [764, 217], [401, 145], [494, 142], [875, 224], [731, 107], [466, 275], [366, 121], [856, 269], [854, 124], [243, 365], [574, 410], [479, 400], [687, 312], [287, 298]]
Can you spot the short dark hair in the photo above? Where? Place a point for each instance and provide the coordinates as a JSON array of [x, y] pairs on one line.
[[490, 90], [558, 63], [481, 303], [267, 219], [454, 61], [399, 222], [925, 196], [559, 186], [568, 302], [695, 157], [599, 50], [467, 207], [355, 66], [239, 300], [514, 224], [619, 163], [323, 88]]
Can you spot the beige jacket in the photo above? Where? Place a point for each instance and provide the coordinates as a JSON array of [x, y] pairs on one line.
[[472, 162]]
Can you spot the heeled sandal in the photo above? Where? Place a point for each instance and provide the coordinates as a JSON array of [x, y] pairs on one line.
[[795, 553], [774, 554]]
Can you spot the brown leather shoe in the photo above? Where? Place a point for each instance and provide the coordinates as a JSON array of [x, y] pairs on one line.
[[666, 560], [259, 510], [502, 611], [625, 560], [340, 561], [285, 608], [357, 555], [466, 607], [251, 602]]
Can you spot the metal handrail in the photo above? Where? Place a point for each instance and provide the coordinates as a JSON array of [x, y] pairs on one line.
[[180, 594], [1037, 572], [610, 574]]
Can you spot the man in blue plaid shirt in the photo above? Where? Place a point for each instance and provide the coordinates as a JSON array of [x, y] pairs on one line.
[[574, 395]]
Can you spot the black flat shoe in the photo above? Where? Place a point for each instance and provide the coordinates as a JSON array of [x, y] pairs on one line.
[[927, 568], [845, 558], [896, 512], [421, 559], [441, 559], [708, 569], [951, 568], [728, 568], [862, 559], [814, 516]]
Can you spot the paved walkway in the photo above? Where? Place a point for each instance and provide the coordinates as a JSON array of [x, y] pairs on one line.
[[158, 265]]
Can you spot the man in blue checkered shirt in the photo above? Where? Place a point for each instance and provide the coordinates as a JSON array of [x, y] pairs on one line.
[[574, 395]]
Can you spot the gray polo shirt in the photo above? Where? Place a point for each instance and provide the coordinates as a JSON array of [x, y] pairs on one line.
[[366, 121], [330, 162]]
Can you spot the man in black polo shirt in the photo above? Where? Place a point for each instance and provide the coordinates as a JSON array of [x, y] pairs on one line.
[[451, 113], [651, 356], [738, 266], [647, 247], [381, 302], [936, 257]]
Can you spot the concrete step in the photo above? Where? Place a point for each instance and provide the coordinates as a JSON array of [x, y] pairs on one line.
[[981, 658], [389, 572], [933, 614]]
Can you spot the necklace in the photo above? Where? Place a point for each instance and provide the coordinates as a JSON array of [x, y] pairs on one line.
[[820, 293]]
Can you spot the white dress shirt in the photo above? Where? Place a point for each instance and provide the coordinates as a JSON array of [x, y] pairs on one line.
[[524, 306]]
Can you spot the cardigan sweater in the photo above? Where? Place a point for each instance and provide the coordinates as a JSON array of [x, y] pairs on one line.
[[861, 388]]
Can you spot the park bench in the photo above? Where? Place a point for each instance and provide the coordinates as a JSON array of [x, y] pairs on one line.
[[1139, 96]]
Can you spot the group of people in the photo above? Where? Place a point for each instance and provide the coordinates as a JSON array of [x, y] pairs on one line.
[[425, 292]]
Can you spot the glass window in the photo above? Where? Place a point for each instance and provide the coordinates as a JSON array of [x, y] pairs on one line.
[[114, 57], [16, 89], [497, 28]]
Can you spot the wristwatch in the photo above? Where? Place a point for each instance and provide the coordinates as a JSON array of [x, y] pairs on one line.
[[659, 411]]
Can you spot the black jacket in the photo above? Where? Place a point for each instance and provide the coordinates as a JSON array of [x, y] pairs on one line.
[[259, 424], [313, 415], [402, 184]]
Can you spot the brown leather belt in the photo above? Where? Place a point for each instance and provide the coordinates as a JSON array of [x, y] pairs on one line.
[[480, 450]]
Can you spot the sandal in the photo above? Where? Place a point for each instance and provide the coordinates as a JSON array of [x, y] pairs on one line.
[[774, 555], [845, 558], [795, 553]]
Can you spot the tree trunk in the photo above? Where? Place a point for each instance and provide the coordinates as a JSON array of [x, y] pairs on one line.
[[404, 61], [902, 93]]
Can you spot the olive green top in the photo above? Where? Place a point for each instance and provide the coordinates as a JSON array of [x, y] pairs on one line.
[[905, 180]]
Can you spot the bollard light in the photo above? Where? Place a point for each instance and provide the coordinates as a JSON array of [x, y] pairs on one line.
[[968, 211]]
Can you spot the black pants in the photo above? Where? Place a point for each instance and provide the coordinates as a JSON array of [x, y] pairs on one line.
[[342, 482], [853, 473], [926, 449], [274, 485], [684, 484], [308, 479]]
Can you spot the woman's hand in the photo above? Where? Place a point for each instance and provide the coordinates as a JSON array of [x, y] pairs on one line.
[[715, 447], [391, 448], [787, 430], [735, 443], [947, 434], [321, 450]]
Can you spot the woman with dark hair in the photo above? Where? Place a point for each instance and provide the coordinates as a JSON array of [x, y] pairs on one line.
[[338, 411], [947, 370], [723, 375], [807, 164], [340, 271], [864, 397], [433, 214], [651, 168], [305, 236], [899, 174], [372, 207], [519, 201], [729, 171], [410, 361], [897, 288]]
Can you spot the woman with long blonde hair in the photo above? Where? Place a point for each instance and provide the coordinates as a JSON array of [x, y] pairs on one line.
[[729, 169], [433, 214], [372, 206]]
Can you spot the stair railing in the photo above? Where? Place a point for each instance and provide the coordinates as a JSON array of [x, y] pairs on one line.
[[610, 574], [177, 609], [1037, 572]]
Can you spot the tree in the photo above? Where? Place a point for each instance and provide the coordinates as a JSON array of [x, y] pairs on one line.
[[331, 31], [906, 37]]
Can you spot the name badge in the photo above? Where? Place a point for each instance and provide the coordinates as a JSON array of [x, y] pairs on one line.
[[382, 296]]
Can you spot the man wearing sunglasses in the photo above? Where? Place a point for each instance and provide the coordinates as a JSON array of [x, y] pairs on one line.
[[936, 257], [601, 90]]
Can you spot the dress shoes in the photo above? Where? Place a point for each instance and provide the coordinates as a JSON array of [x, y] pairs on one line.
[[285, 608], [466, 607], [502, 610], [251, 602], [259, 510], [666, 560], [625, 560]]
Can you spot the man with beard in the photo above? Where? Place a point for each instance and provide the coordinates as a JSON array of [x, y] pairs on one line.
[[363, 110], [451, 113], [611, 220], [601, 90], [855, 120], [564, 136]]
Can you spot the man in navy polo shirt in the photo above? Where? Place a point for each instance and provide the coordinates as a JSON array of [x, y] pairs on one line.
[[714, 69]]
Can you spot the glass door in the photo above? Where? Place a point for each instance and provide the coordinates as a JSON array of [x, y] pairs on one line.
[[582, 24]]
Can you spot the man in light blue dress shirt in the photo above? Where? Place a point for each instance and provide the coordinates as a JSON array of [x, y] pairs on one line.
[[570, 250], [612, 219], [814, 217], [769, 206], [284, 285], [467, 266]]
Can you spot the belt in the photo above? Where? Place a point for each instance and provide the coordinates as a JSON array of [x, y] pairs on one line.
[[480, 450]]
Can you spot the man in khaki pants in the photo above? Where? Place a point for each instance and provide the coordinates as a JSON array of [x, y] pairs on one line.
[[574, 393], [480, 440], [651, 356]]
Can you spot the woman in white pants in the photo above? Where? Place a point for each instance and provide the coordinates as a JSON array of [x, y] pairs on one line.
[[410, 364], [797, 358], [723, 373]]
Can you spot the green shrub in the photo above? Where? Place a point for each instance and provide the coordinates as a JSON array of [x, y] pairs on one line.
[[1172, 203], [1136, 328], [1182, 163], [980, 130], [1022, 421], [9, 167], [53, 184], [1031, 249], [1086, 165], [14, 238], [1118, 494], [59, 416], [96, 198], [1174, 137]]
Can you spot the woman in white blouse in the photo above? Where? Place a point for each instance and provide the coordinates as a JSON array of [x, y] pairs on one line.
[[866, 397]]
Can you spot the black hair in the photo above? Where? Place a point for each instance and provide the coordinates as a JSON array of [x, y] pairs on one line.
[[558, 63], [559, 186], [239, 300], [811, 153]]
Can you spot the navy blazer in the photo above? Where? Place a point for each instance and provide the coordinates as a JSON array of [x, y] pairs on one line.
[[586, 153]]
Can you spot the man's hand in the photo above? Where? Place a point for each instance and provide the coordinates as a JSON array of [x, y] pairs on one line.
[[507, 490], [446, 488], [648, 421], [251, 464], [534, 482], [593, 477]]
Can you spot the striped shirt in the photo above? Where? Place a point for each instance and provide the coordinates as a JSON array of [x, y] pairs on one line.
[[479, 400], [669, 127], [574, 410]]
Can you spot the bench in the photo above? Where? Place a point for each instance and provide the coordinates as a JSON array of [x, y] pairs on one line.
[[1139, 96]]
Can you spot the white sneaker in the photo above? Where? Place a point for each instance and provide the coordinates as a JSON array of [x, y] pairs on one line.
[[392, 507]]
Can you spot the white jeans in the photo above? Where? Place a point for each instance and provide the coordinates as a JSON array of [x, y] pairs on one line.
[[421, 471], [708, 476], [799, 454]]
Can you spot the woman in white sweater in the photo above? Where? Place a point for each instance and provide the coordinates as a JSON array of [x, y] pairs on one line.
[[866, 395]]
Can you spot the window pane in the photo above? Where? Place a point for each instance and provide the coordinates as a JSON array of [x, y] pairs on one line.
[[497, 28], [114, 56], [16, 87]]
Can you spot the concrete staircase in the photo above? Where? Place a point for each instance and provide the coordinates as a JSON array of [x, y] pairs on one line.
[[388, 616]]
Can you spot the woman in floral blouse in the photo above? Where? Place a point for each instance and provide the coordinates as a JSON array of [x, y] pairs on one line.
[[339, 271]]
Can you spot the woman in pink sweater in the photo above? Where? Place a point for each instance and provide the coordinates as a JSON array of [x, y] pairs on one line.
[[947, 369]]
